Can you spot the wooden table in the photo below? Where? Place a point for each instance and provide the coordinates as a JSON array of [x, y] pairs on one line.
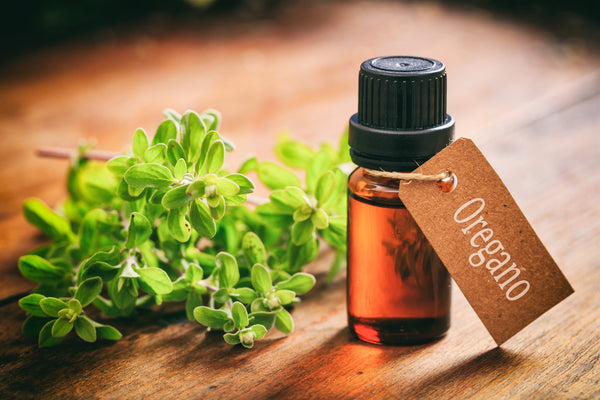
[[532, 104]]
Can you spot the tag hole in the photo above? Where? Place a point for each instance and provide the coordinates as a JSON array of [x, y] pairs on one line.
[[448, 184]]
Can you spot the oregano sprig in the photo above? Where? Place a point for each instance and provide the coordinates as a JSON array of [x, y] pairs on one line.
[[168, 223]]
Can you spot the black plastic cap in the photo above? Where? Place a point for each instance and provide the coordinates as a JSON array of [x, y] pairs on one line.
[[401, 117], [402, 93]]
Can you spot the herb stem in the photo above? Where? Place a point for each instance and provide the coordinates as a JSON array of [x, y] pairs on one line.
[[61, 152]]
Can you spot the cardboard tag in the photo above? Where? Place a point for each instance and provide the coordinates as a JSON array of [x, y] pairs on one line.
[[485, 242]]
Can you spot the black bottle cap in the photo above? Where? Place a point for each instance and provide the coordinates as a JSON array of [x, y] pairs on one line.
[[401, 119]]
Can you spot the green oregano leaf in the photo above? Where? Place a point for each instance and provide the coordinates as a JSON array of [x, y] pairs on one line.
[[31, 304], [222, 296], [123, 191], [75, 306], [232, 338], [247, 337], [192, 134], [88, 231], [154, 280], [229, 146], [209, 139], [212, 119], [229, 273], [266, 319], [215, 319], [239, 314], [172, 115], [118, 165], [85, 329], [227, 187], [285, 296], [88, 290], [299, 283], [176, 197], [174, 151], [139, 230], [215, 157], [135, 192], [325, 187], [201, 219], [213, 200], [180, 169], [197, 189], [149, 175], [259, 330], [46, 220], [294, 153], [276, 177], [61, 327], [107, 332], [272, 216], [244, 294], [317, 167], [338, 225], [302, 231], [284, 321], [156, 154], [218, 211], [244, 184], [236, 200], [261, 279], [102, 264], [320, 219], [140, 143], [45, 337], [302, 214], [193, 273], [165, 132], [254, 249], [179, 227], [250, 164], [193, 300], [39, 270]]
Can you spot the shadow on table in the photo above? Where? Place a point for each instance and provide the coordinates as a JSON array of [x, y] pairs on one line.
[[346, 367]]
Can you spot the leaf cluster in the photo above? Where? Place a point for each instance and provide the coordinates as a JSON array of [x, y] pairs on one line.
[[169, 223]]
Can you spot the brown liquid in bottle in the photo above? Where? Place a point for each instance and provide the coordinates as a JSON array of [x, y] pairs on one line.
[[398, 289]]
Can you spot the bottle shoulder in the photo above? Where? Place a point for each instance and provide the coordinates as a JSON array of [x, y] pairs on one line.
[[373, 188]]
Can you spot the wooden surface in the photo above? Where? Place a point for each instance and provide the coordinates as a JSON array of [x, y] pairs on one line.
[[532, 105]]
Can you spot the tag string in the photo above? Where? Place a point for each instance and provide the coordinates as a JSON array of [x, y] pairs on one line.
[[445, 179], [409, 176]]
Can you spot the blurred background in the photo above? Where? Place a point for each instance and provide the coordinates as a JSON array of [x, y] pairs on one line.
[[97, 70], [33, 23], [100, 68]]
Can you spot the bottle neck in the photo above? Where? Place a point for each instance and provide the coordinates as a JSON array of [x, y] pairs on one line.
[[368, 161]]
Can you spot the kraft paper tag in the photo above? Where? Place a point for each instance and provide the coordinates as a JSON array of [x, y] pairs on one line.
[[485, 242]]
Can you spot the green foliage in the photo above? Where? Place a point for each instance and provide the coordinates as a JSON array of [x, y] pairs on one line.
[[130, 235], [56, 317]]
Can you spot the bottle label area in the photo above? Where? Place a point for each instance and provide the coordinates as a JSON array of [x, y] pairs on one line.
[[485, 241]]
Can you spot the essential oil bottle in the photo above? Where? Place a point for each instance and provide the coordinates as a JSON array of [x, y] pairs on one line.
[[398, 290]]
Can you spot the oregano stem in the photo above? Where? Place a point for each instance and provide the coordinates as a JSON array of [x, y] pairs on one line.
[[61, 152]]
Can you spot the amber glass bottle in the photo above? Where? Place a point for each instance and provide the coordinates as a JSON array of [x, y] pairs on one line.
[[398, 291]]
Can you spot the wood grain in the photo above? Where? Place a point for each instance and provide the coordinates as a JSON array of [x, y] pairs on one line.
[[530, 103]]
